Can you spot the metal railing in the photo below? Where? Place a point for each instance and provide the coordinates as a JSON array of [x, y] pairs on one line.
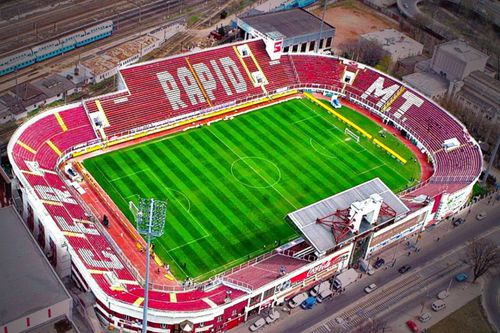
[[205, 113]]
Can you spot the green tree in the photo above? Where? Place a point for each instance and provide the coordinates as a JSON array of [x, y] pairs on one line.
[[384, 64]]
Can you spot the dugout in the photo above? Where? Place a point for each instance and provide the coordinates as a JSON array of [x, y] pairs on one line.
[[300, 30]]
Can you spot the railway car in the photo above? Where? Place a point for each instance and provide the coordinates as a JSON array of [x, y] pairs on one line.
[[46, 50], [55, 47], [68, 42], [96, 32], [16, 61]]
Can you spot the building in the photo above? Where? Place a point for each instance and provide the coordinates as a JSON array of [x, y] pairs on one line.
[[32, 293], [55, 87], [28, 97], [86, 251], [396, 44], [299, 30], [479, 99], [430, 84], [455, 60], [107, 64], [5, 114]]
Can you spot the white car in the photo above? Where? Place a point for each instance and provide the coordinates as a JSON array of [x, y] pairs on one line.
[[443, 294], [481, 216], [425, 317], [273, 316], [370, 288], [258, 324]]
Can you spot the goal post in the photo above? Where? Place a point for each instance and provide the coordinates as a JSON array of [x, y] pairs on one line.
[[133, 208], [351, 134]]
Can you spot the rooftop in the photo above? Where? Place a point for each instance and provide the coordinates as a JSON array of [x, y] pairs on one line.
[[483, 90], [28, 281], [461, 50], [320, 235], [54, 85], [112, 57], [289, 23], [392, 40], [430, 84]]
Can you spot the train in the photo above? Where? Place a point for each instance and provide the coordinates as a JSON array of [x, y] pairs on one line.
[[52, 48]]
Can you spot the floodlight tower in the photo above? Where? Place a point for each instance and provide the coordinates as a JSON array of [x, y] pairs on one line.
[[150, 223]]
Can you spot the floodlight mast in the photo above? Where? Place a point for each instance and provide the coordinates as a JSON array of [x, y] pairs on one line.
[[151, 223]]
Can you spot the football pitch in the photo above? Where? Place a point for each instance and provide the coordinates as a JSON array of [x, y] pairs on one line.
[[230, 185]]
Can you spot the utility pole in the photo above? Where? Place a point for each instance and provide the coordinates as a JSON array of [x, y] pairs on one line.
[[151, 223], [316, 49]]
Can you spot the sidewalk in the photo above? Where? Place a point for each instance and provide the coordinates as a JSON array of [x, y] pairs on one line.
[[459, 296]]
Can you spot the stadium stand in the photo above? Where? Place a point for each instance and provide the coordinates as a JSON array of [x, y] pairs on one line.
[[318, 70], [144, 102]]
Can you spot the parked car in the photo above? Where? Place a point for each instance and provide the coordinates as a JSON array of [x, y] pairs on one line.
[[461, 277], [324, 295], [458, 222], [425, 317], [297, 300], [412, 325], [272, 317], [438, 305], [443, 294], [378, 263], [481, 216], [325, 285], [403, 269], [370, 288], [258, 324], [308, 303]]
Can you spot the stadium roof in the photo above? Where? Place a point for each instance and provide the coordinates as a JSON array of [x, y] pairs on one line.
[[290, 23], [28, 281], [321, 236]]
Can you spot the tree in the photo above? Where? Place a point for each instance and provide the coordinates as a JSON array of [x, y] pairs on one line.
[[482, 255], [384, 64], [364, 51]]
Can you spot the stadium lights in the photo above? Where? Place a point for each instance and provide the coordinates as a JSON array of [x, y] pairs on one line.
[[150, 218]]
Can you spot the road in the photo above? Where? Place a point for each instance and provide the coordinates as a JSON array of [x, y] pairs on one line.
[[450, 239]]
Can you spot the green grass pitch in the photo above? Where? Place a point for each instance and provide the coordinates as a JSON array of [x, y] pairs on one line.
[[230, 185]]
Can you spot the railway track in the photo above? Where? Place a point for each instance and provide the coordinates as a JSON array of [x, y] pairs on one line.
[[128, 26], [122, 14]]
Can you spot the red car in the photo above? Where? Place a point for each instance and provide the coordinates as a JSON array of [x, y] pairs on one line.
[[412, 325]]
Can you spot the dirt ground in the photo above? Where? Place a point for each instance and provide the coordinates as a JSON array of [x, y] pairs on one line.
[[352, 20]]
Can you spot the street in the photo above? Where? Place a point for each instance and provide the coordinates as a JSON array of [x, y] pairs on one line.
[[432, 268]]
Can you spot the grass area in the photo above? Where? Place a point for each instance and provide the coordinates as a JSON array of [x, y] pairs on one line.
[[478, 190], [230, 185], [469, 318]]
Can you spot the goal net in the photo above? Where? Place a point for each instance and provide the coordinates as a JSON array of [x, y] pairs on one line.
[[351, 134], [133, 208]]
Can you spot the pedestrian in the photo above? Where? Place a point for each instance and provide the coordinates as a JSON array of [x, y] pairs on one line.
[[409, 253], [437, 239]]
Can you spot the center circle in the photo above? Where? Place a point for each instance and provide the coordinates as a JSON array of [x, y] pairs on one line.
[[255, 172]]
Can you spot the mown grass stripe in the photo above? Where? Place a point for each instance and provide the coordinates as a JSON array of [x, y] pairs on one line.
[[240, 219]]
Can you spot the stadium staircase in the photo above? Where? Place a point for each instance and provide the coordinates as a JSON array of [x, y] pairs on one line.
[[391, 100]]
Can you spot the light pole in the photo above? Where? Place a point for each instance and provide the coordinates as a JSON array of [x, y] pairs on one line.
[[150, 223]]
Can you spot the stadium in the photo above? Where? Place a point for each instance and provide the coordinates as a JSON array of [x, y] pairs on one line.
[[279, 170]]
